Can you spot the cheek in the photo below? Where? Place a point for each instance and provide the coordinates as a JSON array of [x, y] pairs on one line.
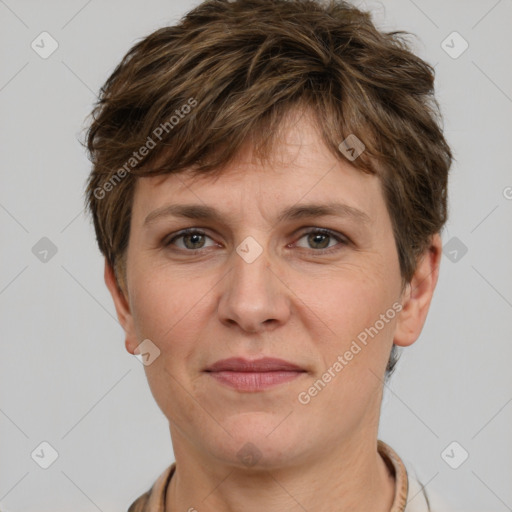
[[164, 305], [175, 314], [170, 314], [355, 321], [344, 303]]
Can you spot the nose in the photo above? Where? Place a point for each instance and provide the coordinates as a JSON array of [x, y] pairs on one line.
[[253, 296]]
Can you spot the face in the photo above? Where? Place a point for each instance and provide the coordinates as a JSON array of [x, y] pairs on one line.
[[293, 261]]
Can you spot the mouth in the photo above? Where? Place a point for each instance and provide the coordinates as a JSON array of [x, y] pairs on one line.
[[251, 376]]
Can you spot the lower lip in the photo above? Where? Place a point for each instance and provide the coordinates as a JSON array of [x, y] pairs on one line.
[[254, 381]]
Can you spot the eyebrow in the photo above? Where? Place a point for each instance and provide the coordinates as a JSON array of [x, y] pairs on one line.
[[203, 212]]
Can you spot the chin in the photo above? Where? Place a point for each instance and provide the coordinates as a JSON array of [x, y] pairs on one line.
[[260, 441]]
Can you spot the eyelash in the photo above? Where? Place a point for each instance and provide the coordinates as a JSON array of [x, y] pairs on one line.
[[341, 239]]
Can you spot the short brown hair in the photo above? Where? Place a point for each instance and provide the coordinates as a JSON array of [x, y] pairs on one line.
[[229, 71]]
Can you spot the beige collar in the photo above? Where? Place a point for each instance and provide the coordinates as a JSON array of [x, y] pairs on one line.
[[154, 499]]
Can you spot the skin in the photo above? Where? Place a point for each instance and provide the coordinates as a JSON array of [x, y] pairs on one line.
[[296, 302]]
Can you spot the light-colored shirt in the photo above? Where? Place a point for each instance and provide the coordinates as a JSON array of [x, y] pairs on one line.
[[409, 493]]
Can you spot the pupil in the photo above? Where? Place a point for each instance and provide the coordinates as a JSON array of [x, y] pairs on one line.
[[194, 239], [324, 243]]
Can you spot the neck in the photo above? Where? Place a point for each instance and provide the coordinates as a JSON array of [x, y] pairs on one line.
[[354, 478]]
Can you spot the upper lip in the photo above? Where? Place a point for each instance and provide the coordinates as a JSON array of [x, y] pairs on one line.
[[265, 364]]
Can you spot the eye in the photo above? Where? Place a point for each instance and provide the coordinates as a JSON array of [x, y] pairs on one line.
[[318, 240], [323, 240], [191, 239]]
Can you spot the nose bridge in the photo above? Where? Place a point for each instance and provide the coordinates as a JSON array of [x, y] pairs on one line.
[[252, 296]]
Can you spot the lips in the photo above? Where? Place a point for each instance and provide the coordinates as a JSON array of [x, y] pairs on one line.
[[253, 376], [266, 364]]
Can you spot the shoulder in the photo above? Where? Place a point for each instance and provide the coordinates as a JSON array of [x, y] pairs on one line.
[[417, 499], [153, 500], [140, 504], [410, 494], [421, 499]]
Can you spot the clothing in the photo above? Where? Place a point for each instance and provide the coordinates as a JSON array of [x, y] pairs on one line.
[[406, 488]]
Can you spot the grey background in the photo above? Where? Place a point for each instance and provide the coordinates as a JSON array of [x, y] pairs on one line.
[[65, 377]]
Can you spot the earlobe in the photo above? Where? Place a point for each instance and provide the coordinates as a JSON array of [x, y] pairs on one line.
[[418, 295], [122, 307]]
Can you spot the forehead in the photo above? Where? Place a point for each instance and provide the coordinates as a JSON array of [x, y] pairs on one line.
[[301, 169]]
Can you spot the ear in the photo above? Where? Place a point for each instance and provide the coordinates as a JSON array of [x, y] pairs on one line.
[[122, 308], [418, 295]]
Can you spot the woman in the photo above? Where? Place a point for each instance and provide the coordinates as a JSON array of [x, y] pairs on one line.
[[224, 149]]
